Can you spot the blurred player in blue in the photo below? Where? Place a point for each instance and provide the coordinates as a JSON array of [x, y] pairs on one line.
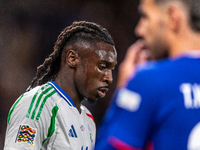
[[157, 106]]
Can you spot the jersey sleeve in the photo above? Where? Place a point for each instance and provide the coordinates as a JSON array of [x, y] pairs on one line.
[[28, 123], [129, 119]]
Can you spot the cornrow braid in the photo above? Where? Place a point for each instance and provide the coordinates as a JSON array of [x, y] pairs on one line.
[[81, 30]]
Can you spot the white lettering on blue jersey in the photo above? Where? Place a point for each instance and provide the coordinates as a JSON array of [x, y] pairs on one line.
[[193, 141], [191, 94]]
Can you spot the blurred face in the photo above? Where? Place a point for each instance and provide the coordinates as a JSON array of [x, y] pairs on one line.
[[94, 72], [152, 29]]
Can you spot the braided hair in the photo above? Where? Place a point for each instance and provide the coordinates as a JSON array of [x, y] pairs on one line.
[[78, 31]]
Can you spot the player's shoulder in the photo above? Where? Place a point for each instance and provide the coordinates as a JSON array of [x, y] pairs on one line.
[[165, 65], [39, 92], [29, 105], [152, 74], [34, 99], [26, 97], [153, 66]]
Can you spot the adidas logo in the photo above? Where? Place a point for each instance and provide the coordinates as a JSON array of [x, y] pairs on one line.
[[72, 132]]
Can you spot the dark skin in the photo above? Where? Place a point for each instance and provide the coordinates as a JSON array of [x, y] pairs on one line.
[[86, 71]]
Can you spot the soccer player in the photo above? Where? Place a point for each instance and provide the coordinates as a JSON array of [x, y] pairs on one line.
[[157, 107], [50, 115]]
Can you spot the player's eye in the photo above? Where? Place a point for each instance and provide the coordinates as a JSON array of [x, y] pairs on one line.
[[102, 66]]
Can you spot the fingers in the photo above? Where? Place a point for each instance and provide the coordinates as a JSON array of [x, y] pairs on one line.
[[142, 57], [133, 51]]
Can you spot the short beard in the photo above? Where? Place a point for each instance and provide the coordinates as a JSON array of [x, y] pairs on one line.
[[159, 50], [158, 54]]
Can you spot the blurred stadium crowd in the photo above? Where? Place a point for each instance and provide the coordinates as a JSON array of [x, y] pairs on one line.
[[29, 29]]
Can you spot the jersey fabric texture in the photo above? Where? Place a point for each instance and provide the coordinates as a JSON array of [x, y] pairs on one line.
[[159, 109], [45, 118]]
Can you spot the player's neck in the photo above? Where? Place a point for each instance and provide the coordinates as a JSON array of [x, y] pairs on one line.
[[185, 43], [70, 90]]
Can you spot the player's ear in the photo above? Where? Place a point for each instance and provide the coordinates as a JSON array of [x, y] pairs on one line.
[[72, 58], [175, 17]]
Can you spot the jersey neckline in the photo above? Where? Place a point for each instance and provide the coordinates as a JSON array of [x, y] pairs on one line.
[[194, 54], [62, 93]]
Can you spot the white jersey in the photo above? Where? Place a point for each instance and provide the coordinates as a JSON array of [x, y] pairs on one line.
[[46, 118]]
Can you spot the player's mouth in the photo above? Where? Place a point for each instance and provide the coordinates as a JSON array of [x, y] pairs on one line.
[[102, 91]]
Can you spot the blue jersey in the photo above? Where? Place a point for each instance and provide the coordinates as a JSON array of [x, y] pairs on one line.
[[159, 109]]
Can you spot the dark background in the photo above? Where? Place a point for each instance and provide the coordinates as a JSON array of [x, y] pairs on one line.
[[29, 29]]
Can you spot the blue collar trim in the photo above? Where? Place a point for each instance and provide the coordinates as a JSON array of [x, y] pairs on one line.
[[62, 93]]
